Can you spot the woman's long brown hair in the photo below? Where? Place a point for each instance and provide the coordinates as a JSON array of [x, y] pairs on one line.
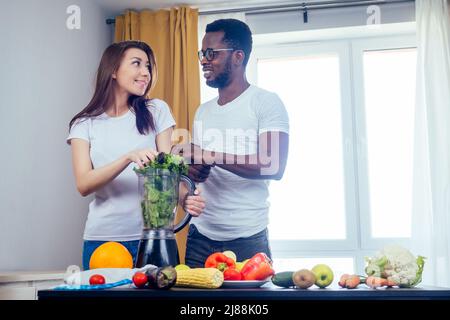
[[104, 89]]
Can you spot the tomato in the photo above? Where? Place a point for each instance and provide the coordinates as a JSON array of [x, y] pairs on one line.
[[97, 279], [140, 279]]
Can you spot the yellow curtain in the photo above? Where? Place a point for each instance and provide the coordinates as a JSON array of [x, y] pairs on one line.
[[172, 34]]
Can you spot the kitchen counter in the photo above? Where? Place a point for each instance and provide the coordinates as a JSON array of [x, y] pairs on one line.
[[266, 292]]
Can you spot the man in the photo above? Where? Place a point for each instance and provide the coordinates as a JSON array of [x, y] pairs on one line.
[[240, 142]]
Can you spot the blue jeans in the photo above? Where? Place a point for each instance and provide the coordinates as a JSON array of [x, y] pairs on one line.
[[90, 246], [199, 247]]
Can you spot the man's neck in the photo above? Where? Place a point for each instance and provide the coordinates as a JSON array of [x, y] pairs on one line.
[[233, 90]]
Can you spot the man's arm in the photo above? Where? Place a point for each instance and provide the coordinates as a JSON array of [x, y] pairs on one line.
[[268, 163]]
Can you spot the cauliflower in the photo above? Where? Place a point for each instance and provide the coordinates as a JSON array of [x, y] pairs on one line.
[[396, 264]]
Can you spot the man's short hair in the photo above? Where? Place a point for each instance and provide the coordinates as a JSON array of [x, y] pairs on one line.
[[237, 35]]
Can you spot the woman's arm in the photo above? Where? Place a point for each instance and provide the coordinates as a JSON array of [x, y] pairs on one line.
[[164, 140], [89, 180]]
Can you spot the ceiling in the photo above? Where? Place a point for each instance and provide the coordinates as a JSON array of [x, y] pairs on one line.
[[113, 7]]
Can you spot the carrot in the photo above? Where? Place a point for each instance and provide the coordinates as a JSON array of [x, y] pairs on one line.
[[352, 282], [376, 282], [343, 279], [391, 283]]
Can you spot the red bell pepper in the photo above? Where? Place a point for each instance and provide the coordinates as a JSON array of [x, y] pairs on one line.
[[259, 267], [219, 261], [232, 274]]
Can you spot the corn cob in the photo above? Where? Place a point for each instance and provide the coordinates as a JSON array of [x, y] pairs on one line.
[[209, 278]]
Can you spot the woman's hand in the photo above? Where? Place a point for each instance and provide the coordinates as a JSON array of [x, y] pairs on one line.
[[194, 204], [141, 156]]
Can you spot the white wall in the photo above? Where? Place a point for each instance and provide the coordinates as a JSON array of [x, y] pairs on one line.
[[46, 76]]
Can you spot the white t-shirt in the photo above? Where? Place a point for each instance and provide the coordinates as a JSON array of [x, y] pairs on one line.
[[236, 207], [115, 212]]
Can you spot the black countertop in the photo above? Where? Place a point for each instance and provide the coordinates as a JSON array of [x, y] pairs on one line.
[[266, 292]]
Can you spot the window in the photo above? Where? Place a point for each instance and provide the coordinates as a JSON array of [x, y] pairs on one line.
[[315, 166], [389, 129], [348, 183]]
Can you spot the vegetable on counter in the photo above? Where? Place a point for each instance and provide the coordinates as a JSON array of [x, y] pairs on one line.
[[140, 279], [232, 274], [97, 279], [208, 278], [219, 261], [259, 267], [397, 265], [376, 282], [351, 281], [283, 279], [161, 278]]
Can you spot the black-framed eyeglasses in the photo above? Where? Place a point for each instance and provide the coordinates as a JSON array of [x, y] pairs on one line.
[[210, 54]]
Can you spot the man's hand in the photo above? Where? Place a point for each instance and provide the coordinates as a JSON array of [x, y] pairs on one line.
[[192, 154], [194, 204], [199, 172]]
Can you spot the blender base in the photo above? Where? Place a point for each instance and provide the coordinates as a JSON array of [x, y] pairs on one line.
[[158, 252]]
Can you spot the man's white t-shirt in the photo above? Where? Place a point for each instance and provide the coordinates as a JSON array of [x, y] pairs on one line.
[[115, 213], [236, 207]]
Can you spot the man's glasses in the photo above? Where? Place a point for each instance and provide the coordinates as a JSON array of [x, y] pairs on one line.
[[210, 54]]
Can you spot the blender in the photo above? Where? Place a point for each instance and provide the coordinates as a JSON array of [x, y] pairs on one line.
[[159, 190]]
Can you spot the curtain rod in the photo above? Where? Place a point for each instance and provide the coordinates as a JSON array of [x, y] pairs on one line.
[[299, 6]]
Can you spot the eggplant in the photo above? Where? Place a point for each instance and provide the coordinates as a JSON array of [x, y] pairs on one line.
[[161, 278]]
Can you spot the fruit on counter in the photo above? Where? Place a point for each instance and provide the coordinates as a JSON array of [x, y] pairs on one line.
[[162, 277], [303, 278], [140, 279], [97, 279], [232, 274], [283, 279], [351, 281], [219, 261], [324, 275], [208, 278], [259, 267], [111, 255], [182, 267], [230, 254]]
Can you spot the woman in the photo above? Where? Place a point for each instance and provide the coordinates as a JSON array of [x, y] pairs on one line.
[[118, 130]]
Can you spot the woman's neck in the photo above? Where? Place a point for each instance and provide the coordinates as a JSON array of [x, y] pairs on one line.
[[120, 105]]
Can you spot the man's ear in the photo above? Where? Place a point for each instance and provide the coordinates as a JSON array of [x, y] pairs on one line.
[[240, 56]]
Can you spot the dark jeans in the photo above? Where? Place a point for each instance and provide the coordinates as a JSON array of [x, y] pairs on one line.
[[90, 246], [199, 247]]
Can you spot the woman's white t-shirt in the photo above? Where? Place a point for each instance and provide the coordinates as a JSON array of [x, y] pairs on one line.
[[115, 212]]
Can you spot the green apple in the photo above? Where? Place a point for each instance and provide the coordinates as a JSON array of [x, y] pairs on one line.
[[324, 275]]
